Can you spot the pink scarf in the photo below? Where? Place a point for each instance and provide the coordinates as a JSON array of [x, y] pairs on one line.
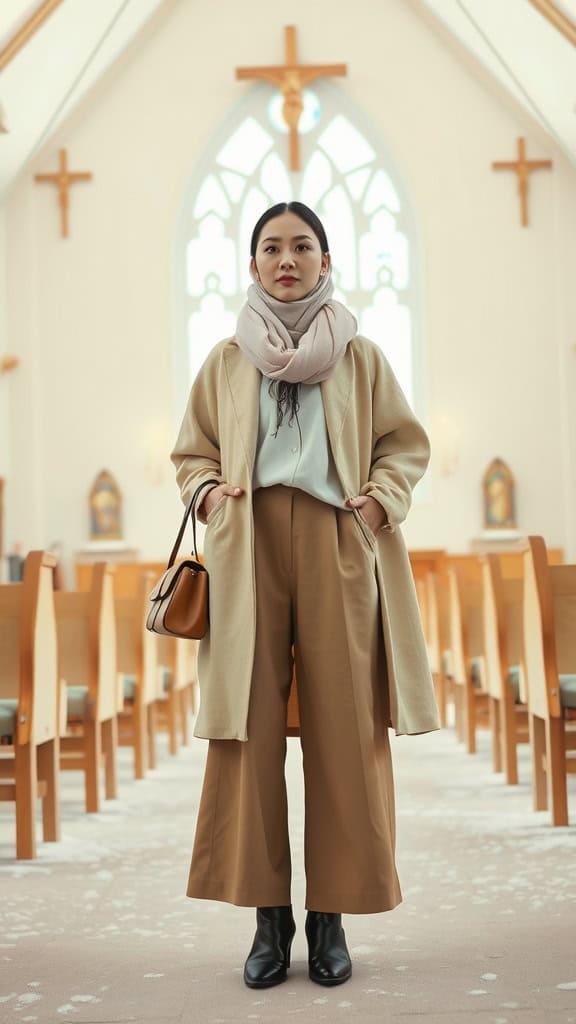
[[297, 342]]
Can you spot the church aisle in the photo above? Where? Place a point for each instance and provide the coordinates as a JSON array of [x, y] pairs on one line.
[[98, 930]]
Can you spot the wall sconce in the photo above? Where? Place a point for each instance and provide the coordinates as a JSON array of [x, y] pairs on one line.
[[158, 444], [446, 438]]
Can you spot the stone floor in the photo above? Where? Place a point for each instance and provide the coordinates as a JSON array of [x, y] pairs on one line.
[[98, 929]]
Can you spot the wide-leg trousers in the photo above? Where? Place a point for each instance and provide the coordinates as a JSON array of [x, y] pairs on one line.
[[316, 601]]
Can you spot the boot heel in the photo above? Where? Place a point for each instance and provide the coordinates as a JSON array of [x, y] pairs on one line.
[[269, 958], [328, 957]]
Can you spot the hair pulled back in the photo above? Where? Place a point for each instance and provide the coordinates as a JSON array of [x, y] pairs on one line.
[[286, 394], [299, 210]]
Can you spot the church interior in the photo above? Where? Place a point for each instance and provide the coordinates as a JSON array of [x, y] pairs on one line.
[[139, 142]]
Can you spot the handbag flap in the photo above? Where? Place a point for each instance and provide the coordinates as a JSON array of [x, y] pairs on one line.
[[168, 580]]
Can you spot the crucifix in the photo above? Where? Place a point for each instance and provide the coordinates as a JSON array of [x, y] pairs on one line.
[[523, 168], [8, 363], [63, 179], [290, 78]]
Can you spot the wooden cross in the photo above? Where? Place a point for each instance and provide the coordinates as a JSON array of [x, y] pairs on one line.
[[523, 168], [290, 79], [63, 179], [8, 363]]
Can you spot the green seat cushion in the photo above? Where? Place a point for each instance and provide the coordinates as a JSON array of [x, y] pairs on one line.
[[128, 686], [8, 712], [568, 691], [166, 678], [76, 700], [476, 670], [514, 680]]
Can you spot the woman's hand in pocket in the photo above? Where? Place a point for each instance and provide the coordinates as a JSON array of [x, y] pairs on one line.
[[371, 511], [216, 494]]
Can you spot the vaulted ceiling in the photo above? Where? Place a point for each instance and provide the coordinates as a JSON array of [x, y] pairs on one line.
[[56, 66], [529, 46], [53, 52]]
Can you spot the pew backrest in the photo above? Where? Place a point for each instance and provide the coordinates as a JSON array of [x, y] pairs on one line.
[[503, 621], [87, 642], [137, 652], [465, 613], [28, 649], [549, 628]]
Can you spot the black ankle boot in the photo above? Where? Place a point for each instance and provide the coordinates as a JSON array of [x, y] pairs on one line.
[[328, 957], [270, 954]]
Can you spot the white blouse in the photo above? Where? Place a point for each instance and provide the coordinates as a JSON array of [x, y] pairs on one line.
[[296, 457]]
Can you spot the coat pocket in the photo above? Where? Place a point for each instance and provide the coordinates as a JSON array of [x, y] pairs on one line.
[[217, 508], [365, 530]]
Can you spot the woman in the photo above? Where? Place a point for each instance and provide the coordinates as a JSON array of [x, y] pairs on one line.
[[317, 453]]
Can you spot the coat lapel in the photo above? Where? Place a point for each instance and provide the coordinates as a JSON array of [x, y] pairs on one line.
[[336, 394], [244, 385]]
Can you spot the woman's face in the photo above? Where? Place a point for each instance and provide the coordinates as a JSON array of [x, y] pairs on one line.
[[289, 260]]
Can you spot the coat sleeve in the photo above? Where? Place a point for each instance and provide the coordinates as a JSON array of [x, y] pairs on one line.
[[196, 454], [401, 449]]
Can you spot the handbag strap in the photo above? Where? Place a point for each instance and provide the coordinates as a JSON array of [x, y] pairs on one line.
[[190, 510]]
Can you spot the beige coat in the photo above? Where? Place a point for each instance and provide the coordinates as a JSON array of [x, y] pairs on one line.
[[379, 448]]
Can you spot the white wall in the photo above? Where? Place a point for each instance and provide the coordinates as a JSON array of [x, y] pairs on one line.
[[92, 317], [5, 381]]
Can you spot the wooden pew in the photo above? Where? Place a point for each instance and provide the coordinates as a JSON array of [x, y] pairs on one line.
[[176, 664], [177, 670], [467, 646], [87, 667], [429, 572], [29, 697], [127, 576], [550, 662], [137, 662], [437, 633], [502, 592]]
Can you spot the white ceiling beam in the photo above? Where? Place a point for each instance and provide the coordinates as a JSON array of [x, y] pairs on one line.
[[556, 17], [27, 30]]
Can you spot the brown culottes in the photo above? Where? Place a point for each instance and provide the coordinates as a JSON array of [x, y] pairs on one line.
[[316, 593]]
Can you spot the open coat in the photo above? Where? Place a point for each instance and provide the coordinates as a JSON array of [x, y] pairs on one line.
[[379, 448]]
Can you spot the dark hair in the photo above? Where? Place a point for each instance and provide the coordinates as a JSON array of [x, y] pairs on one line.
[[287, 395], [300, 210]]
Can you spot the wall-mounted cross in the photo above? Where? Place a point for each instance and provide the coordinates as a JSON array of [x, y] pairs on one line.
[[63, 179], [523, 168], [8, 363], [290, 78]]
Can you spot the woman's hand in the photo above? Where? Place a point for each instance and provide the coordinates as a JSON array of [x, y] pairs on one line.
[[370, 510], [216, 494]]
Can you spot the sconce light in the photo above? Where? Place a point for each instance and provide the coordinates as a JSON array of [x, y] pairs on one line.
[[446, 444], [157, 445]]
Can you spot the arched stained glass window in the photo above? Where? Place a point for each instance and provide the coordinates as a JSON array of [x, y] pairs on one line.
[[347, 178]]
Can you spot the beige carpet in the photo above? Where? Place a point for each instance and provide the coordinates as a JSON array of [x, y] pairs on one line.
[[98, 929]]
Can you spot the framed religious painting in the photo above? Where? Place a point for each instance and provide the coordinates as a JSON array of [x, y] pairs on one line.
[[105, 508], [499, 499]]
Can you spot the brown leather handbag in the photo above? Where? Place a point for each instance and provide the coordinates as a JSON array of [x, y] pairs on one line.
[[179, 602]]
